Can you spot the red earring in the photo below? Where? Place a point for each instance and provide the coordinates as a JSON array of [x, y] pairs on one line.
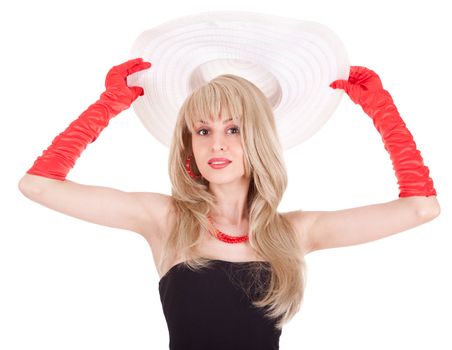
[[187, 167]]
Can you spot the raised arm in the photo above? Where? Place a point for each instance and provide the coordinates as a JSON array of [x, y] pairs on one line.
[[417, 201]]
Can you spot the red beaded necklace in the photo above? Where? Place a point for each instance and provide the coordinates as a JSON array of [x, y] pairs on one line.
[[227, 238]]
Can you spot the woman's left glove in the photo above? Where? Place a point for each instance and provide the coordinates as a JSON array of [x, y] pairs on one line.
[[364, 87]]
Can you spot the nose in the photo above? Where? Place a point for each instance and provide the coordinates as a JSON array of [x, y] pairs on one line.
[[218, 148], [218, 144]]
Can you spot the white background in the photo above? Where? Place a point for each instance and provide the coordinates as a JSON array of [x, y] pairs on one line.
[[69, 284]]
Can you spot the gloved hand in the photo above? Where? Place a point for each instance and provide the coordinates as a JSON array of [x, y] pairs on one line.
[[365, 88], [56, 161]]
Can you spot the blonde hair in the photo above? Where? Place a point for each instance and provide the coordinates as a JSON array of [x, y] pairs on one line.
[[270, 233]]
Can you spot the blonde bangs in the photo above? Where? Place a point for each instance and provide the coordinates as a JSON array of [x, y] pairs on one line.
[[212, 101]]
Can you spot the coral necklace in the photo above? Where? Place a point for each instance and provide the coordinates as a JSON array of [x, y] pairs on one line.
[[227, 238]]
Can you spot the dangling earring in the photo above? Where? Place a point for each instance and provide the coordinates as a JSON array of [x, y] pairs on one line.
[[187, 167]]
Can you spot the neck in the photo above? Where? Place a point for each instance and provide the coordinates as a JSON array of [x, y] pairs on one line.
[[231, 203]]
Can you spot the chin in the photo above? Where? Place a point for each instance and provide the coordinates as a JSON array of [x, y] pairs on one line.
[[224, 178]]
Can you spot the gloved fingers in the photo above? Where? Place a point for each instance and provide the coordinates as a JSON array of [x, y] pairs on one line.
[[353, 91], [136, 91], [117, 75], [128, 65], [340, 84], [138, 67], [365, 77]]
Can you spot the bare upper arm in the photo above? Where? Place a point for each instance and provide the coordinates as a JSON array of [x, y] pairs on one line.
[[141, 212], [340, 228]]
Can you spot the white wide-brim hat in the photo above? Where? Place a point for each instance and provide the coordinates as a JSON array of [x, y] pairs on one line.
[[291, 61]]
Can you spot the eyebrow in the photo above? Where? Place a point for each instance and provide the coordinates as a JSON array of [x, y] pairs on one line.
[[204, 122]]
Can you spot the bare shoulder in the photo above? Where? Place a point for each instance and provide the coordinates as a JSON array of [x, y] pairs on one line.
[[158, 209], [302, 221]]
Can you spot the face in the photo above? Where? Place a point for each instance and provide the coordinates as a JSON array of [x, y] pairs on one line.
[[218, 139]]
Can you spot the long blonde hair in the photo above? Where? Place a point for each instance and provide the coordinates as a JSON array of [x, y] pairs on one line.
[[270, 233]]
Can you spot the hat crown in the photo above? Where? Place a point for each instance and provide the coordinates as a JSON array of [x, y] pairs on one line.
[[253, 72]]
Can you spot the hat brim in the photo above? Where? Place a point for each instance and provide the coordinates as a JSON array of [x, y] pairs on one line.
[[291, 61]]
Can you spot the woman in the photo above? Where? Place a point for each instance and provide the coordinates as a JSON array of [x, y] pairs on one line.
[[228, 177]]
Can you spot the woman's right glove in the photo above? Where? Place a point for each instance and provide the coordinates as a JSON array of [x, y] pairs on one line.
[[59, 158]]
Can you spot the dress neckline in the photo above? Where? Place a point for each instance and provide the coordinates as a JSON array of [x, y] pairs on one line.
[[216, 260]]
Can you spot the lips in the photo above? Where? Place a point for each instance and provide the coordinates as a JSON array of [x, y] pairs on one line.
[[219, 166], [219, 161]]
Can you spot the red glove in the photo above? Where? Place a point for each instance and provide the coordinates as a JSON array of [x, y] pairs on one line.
[[365, 88], [60, 156]]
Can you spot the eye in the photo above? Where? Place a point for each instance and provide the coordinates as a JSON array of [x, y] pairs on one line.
[[198, 132], [234, 128]]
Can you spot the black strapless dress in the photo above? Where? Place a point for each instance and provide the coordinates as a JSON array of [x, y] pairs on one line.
[[210, 310]]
